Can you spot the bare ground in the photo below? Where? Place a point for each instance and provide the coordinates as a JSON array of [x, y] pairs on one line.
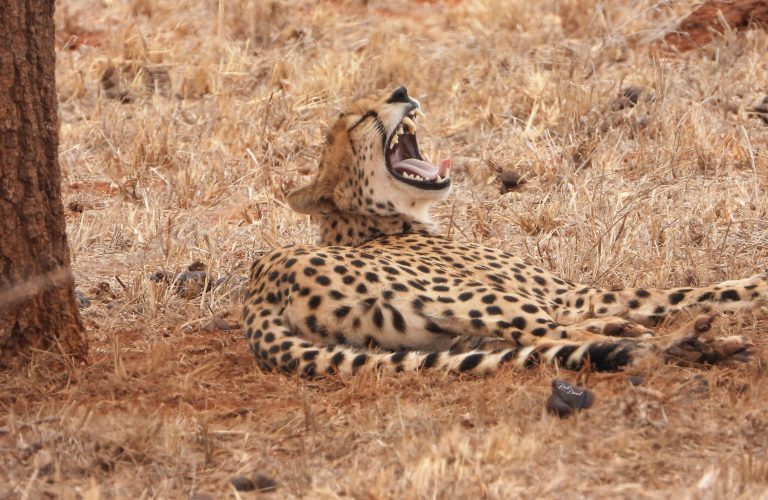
[[184, 124]]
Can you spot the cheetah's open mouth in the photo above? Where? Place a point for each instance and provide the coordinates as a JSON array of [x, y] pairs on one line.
[[405, 163]]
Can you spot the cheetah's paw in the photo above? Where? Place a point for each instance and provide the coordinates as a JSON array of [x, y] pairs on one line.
[[691, 347]]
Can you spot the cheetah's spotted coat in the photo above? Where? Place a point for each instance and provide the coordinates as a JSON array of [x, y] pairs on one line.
[[384, 290]]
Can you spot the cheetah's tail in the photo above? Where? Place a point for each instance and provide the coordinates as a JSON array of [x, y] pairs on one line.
[[279, 348]]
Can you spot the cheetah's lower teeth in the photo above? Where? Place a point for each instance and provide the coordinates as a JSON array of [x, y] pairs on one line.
[[413, 176]]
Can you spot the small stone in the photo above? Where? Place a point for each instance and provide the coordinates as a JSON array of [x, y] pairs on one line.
[[192, 276], [196, 266], [511, 180], [219, 324], [566, 398], [761, 110], [242, 483], [632, 94], [83, 302], [102, 292], [264, 483], [160, 276], [577, 397], [635, 380], [557, 406], [189, 284], [76, 206]]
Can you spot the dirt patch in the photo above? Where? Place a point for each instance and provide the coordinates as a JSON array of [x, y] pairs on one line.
[[712, 18]]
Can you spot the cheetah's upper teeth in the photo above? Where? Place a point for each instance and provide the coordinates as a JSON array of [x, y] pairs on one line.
[[394, 142], [408, 124]]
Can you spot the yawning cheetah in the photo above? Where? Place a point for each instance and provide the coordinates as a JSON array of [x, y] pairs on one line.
[[383, 290]]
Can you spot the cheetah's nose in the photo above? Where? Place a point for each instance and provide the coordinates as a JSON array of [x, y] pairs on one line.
[[400, 94]]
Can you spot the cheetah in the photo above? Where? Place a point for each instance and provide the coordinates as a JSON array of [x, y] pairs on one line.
[[382, 290]]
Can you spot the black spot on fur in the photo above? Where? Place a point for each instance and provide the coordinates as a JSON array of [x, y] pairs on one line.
[[342, 311], [372, 277], [493, 310], [471, 361], [311, 322], [337, 359], [398, 356], [398, 321], [359, 361], [433, 328], [323, 280], [378, 318], [309, 370], [430, 360], [289, 366], [676, 298], [519, 323]]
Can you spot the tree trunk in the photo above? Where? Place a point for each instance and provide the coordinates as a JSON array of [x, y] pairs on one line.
[[37, 306]]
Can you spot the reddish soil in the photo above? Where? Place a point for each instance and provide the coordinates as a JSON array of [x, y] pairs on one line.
[[701, 26]]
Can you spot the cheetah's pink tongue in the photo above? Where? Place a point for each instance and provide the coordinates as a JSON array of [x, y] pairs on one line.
[[423, 169]]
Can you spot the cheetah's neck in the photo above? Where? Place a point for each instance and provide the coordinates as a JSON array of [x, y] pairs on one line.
[[354, 229]]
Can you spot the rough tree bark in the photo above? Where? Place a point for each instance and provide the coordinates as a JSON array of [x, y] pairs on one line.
[[37, 307]]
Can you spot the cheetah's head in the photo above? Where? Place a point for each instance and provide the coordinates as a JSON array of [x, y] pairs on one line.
[[372, 164]]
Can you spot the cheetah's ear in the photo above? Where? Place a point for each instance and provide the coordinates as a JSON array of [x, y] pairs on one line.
[[311, 200]]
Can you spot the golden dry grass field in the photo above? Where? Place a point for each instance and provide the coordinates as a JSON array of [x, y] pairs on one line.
[[185, 123]]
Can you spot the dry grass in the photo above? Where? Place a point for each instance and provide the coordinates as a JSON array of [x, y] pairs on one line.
[[183, 126]]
